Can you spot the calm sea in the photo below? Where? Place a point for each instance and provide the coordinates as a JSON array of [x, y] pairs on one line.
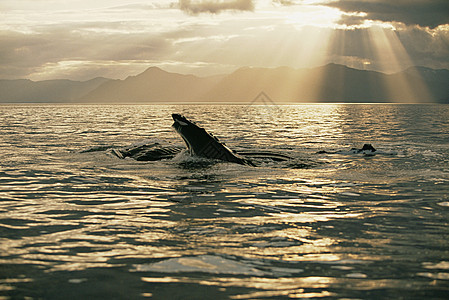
[[86, 225]]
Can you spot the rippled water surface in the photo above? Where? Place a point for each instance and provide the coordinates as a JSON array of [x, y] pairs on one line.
[[79, 225]]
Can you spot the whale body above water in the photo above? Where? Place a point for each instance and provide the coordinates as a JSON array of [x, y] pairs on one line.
[[201, 143]]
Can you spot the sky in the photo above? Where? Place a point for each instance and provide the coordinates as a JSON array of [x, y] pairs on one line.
[[83, 39]]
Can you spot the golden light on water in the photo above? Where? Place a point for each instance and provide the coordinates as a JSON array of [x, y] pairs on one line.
[[337, 226], [268, 287]]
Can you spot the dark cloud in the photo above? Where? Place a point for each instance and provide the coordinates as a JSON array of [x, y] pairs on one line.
[[214, 6], [425, 13], [424, 47], [22, 54]]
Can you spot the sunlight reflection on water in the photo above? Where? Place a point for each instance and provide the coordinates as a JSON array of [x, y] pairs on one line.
[[327, 225]]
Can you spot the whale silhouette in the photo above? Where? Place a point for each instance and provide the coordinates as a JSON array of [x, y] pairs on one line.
[[367, 150], [201, 143]]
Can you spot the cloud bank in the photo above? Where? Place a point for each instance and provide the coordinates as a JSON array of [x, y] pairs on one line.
[[424, 13], [214, 6], [119, 41]]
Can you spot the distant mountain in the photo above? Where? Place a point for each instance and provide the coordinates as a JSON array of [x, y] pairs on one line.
[[329, 83], [333, 83], [153, 85], [24, 90], [437, 81]]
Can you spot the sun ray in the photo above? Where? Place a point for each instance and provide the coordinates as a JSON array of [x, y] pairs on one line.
[[391, 56], [310, 51]]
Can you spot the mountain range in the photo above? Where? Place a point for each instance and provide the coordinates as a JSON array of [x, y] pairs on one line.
[[329, 83], [59, 90]]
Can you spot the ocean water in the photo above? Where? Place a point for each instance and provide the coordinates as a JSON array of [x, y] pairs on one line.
[[88, 225]]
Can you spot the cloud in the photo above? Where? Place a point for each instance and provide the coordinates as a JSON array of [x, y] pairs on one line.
[[121, 42], [425, 13], [214, 6], [24, 54], [424, 47], [284, 2]]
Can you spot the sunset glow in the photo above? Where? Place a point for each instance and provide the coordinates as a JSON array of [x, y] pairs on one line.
[[224, 149], [81, 39]]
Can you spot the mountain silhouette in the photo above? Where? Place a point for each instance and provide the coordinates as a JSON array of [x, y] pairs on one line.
[[153, 85], [329, 83], [62, 90], [333, 83]]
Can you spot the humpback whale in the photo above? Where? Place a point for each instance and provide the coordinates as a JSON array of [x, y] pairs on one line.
[[367, 150], [148, 152], [201, 143]]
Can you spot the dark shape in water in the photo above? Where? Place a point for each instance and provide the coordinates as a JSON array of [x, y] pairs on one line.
[[148, 152], [367, 150], [366, 147], [201, 143], [264, 155]]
